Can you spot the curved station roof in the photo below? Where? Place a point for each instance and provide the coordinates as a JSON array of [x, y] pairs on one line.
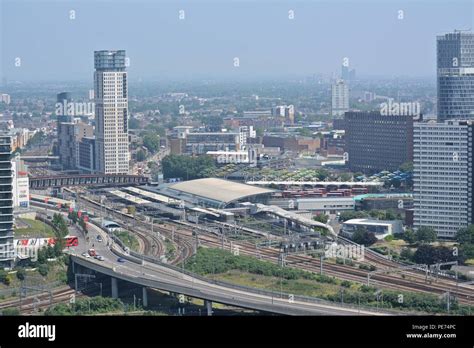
[[218, 189]]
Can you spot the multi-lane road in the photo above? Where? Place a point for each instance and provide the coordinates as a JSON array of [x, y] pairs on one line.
[[159, 276]]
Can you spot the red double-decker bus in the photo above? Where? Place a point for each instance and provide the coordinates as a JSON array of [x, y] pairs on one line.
[[71, 241]]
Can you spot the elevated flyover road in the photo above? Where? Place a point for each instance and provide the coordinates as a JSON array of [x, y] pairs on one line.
[[159, 277], [168, 278]]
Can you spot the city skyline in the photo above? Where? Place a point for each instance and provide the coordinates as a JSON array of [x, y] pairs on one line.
[[322, 165]]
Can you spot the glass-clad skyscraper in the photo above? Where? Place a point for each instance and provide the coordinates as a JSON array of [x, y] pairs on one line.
[[455, 55]]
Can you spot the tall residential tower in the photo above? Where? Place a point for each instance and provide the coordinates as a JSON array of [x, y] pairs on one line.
[[443, 178], [111, 112], [340, 98]]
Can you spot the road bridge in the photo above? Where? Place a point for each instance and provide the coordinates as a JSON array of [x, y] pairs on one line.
[[149, 273]]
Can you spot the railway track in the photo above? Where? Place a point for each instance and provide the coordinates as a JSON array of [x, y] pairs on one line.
[[412, 282], [307, 263], [415, 282], [153, 244], [43, 300]]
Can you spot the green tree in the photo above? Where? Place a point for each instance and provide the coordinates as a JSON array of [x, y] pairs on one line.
[[321, 218], [8, 280], [466, 252], [409, 236], [151, 141], [186, 167], [11, 311], [345, 177], [348, 215], [43, 269], [3, 275], [466, 235], [73, 216], [362, 236], [60, 225], [407, 254], [429, 254], [161, 131], [141, 155], [20, 274], [425, 234]]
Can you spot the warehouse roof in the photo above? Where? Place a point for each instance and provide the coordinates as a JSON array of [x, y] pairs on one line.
[[218, 189]]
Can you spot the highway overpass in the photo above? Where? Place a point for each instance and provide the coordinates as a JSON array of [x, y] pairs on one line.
[[169, 278]]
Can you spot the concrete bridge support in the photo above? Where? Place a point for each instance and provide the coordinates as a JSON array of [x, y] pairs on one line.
[[114, 288], [208, 305], [145, 297]]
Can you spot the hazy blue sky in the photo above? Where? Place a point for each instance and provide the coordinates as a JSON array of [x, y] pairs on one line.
[[54, 47]]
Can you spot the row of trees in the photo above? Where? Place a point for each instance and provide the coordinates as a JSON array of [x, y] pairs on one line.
[[151, 141], [423, 234], [186, 167], [61, 230], [431, 254], [74, 217], [465, 238], [376, 214], [214, 261], [209, 261], [60, 226], [87, 306]]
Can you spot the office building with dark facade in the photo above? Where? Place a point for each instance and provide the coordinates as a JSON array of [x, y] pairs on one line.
[[71, 130], [66, 144], [85, 154], [376, 142]]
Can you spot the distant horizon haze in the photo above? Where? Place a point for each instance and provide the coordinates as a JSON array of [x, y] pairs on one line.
[[225, 40]]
